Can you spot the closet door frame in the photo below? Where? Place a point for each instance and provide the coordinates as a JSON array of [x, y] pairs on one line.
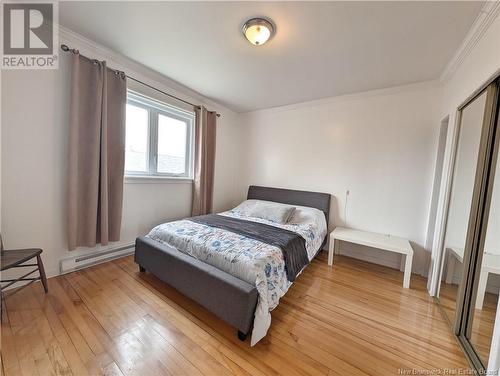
[[478, 219]]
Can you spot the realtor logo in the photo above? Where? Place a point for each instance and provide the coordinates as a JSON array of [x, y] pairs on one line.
[[29, 36]]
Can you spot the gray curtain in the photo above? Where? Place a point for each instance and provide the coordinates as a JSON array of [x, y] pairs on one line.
[[204, 161], [96, 153]]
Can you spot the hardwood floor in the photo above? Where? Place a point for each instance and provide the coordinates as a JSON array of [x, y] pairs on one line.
[[352, 319]]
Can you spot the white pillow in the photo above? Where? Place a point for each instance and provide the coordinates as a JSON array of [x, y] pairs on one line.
[[245, 206], [306, 215], [271, 211]]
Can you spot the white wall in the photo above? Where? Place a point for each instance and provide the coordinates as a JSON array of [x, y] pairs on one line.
[[380, 145], [34, 152]]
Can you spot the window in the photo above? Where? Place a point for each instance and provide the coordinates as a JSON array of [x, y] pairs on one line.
[[158, 139]]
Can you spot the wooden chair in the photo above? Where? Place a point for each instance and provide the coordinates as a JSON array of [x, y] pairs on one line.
[[19, 258]]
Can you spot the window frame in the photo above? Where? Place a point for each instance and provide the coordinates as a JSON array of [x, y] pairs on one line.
[[156, 108]]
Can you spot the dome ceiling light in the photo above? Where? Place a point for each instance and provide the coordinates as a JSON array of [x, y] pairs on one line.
[[258, 30]]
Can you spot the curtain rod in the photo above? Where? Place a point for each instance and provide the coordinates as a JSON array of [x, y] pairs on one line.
[[65, 48]]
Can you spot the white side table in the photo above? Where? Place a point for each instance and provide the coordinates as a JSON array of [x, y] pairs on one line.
[[381, 241]]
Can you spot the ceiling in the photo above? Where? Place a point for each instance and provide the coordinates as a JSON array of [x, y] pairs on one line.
[[321, 49]]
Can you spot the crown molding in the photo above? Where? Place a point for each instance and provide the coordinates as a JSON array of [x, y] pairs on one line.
[[392, 90], [138, 70], [488, 14]]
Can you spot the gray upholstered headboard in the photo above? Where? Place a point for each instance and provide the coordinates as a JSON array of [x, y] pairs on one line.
[[316, 200]]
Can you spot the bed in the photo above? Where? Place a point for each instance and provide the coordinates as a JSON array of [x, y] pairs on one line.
[[239, 278]]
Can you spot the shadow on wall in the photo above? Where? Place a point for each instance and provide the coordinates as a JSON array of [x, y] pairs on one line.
[[334, 219], [421, 259]]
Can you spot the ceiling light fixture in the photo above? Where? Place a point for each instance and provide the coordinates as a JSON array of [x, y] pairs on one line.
[[258, 30]]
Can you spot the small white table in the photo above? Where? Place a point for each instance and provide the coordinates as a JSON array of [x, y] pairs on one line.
[[381, 241], [491, 264]]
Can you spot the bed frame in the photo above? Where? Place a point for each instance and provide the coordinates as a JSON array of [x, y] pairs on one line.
[[230, 298]]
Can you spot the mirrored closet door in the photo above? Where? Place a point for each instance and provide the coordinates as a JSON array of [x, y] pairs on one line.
[[483, 312], [464, 173], [470, 278]]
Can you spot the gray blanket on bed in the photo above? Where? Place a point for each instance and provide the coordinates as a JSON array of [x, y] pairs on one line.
[[291, 244]]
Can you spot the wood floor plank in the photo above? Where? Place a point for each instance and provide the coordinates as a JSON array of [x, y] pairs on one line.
[[59, 333], [40, 355], [52, 347], [112, 370], [352, 319], [10, 361], [22, 337]]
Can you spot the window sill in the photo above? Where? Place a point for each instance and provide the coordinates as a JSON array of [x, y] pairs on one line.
[[148, 179]]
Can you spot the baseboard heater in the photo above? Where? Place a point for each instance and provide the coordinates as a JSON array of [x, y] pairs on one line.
[[71, 264]]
